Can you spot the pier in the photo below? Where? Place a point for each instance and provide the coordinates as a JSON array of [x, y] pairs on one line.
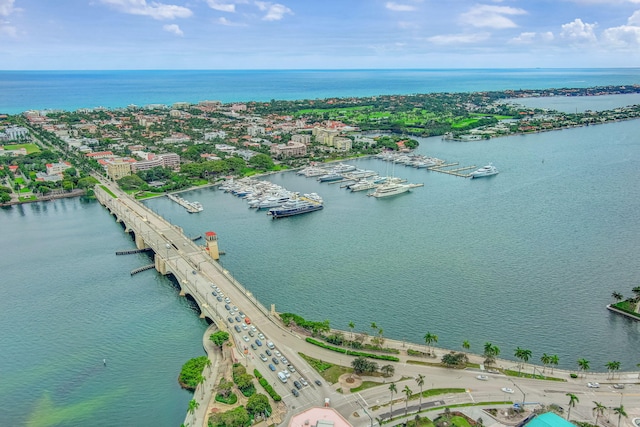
[[454, 172]]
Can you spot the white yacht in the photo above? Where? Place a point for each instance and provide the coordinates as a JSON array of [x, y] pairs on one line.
[[488, 170], [390, 189]]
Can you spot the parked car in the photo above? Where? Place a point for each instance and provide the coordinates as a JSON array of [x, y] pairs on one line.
[[295, 392], [230, 319], [260, 335], [219, 298], [253, 346], [268, 352], [318, 382], [258, 342], [303, 381], [277, 353], [263, 357], [291, 368], [251, 334], [275, 361], [227, 307], [238, 319], [297, 384], [273, 368], [245, 338], [237, 328]]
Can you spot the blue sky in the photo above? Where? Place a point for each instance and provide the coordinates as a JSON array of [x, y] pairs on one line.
[[317, 34]]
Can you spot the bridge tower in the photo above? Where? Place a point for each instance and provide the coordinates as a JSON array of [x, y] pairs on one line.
[[212, 244]]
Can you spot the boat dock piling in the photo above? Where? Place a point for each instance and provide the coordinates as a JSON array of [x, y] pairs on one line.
[[454, 172]]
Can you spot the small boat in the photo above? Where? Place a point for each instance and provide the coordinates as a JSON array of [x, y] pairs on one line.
[[488, 170]]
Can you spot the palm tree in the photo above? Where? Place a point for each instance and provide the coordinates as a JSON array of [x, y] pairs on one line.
[[201, 381], [393, 389], [430, 338], [609, 366], [407, 391], [465, 345], [573, 399], [490, 353], [617, 296], [193, 405], [523, 355], [554, 362], [420, 381], [620, 412], [352, 327], [208, 365], [545, 359], [598, 410], [583, 364]]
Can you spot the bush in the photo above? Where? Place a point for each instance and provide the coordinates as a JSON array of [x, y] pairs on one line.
[[267, 387], [191, 372], [573, 375], [351, 352]]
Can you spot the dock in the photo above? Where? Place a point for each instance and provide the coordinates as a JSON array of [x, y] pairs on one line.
[[191, 207], [454, 172]]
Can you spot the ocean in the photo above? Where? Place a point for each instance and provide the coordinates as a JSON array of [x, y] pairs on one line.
[[528, 258]]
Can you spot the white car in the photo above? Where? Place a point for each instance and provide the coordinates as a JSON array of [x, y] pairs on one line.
[[507, 390], [593, 385], [277, 353], [261, 336], [246, 338], [303, 381], [482, 377]]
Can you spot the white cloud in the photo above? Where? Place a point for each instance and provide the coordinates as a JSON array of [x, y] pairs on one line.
[[397, 7], [635, 18], [222, 7], [532, 37], [625, 36], [173, 28], [491, 16], [446, 39], [6, 7], [154, 10], [275, 11], [224, 21], [579, 31]]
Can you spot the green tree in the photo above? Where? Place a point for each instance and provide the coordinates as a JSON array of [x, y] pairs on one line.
[[583, 365], [225, 387], [261, 161], [351, 328], [523, 355], [430, 338], [554, 362], [617, 296], [258, 404], [490, 353], [387, 370], [573, 399], [420, 382], [132, 182], [193, 405], [219, 338], [392, 389], [465, 345], [598, 410], [408, 393], [620, 412], [545, 359], [362, 365]]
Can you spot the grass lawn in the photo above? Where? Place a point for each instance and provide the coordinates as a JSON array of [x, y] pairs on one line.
[[31, 148], [27, 198], [25, 190], [328, 371], [365, 385], [19, 180]]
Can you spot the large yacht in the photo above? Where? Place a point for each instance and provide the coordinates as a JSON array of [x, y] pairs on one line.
[[488, 170], [295, 207], [390, 189]]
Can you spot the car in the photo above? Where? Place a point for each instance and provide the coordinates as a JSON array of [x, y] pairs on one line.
[[482, 377], [253, 328], [219, 298], [235, 308], [295, 392], [214, 293], [273, 368], [247, 320], [230, 319], [253, 346], [227, 307], [277, 353], [282, 377], [318, 382], [291, 368], [263, 357], [506, 390], [286, 373], [244, 327], [230, 313], [297, 384], [237, 328], [258, 342], [251, 334], [241, 314], [268, 352], [284, 360], [274, 360], [593, 385], [270, 345], [260, 335], [227, 300], [245, 338], [303, 381], [238, 319], [618, 386]]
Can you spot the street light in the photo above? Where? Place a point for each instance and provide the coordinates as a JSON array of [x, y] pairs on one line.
[[523, 394], [365, 411]]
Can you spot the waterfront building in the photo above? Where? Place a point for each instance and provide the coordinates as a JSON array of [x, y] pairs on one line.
[[290, 149], [118, 168], [168, 160]]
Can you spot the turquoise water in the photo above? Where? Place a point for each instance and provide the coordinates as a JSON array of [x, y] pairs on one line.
[[68, 303], [528, 258], [70, 90]]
